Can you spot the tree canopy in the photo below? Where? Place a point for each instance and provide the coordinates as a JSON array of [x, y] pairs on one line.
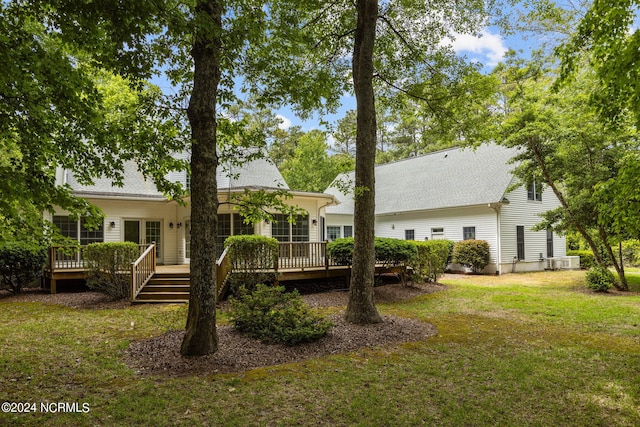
[[565, 145]]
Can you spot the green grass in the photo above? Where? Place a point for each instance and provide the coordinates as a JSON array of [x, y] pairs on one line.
[[521, 349]]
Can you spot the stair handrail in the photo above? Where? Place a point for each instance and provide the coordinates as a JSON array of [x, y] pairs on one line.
[[223, 268], [142, 270]]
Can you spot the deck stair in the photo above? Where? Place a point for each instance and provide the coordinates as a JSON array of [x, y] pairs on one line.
[[166, 287]]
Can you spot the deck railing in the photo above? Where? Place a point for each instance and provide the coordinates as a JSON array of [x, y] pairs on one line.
[[223, 268], [301, 255], [142, 270], [71, 257], [66, 258]]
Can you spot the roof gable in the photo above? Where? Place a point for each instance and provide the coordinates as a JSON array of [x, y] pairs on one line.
[[445, 179]]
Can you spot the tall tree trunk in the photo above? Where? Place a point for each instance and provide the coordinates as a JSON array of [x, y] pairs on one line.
[[361, 308], [619, 266], [201, 337]]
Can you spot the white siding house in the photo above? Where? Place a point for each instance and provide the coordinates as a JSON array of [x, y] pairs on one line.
[[138, 212], [458, 194]]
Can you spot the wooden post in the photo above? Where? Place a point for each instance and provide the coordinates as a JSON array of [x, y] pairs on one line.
[[133, 280], [326, 258], [276, 263]]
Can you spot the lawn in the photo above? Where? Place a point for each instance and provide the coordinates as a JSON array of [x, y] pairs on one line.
[[519, 349]]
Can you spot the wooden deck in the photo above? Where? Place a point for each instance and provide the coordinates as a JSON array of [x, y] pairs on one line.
[[171, 283]]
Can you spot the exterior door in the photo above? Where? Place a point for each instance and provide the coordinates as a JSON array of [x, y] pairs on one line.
[[132, 231], [144, 232], [152, 233], [187, 239]]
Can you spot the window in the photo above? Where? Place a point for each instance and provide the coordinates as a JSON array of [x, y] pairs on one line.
[[187, 183], [68, 227], [468, 233], [280, 229], [549, 243], [520, 241], [300, 230], [88, 236], [437, 233], [231, 226], [534, 192], [241, 227], [224, 231], [347, 231], [333, 232], [283, 231], [77, 230], [409, 235]]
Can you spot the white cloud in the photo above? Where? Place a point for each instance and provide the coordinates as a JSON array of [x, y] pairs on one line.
[[284, 122], [331, 141], [489, 46]]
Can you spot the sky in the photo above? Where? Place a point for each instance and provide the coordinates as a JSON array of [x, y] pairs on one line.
[[488, 49]]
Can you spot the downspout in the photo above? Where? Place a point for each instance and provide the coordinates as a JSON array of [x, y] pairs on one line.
[[499, 238], [332, 202], [497, 208]]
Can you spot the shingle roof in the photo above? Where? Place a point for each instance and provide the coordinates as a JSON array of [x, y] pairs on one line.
[[448, 178], [260, 173]]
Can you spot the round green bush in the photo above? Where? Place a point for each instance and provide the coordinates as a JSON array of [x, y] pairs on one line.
[[474, 254], [20, 264], [600, 279], [275, 316]]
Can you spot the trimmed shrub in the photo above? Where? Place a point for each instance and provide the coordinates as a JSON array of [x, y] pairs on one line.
[[451, 244], [431, 261], [388, 251], [472, 253], [275, 316], [587, 260], [341, 250], [250, 256], [395, 251], [600, 279], [20, 264], [109, 267]]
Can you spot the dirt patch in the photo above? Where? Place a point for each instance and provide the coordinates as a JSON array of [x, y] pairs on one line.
[[390, 293], [83, 300]]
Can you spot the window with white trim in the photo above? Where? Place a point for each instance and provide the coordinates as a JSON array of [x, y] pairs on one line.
[[333, 232], [437, 233], [78, 230], [468, 233], [534, 192], [283, 231]]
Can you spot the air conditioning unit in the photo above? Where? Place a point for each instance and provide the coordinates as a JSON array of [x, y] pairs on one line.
[[570, 263], [551, 264]]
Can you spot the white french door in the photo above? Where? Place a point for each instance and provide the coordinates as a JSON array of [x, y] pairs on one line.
[[144, 231]]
